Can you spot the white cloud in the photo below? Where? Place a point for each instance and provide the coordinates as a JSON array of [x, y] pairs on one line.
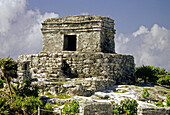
[[142, 30], [149, 47], [20, 28], [84, 13]]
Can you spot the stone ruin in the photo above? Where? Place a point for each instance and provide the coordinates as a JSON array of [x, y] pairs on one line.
[[78, 54]]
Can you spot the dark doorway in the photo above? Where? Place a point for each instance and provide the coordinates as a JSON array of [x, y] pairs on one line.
[[69, 43]]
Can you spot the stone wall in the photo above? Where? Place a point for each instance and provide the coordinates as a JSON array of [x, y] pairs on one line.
[[93, 33], [103, 108], [96, 108], [78, 64], [154, 111]]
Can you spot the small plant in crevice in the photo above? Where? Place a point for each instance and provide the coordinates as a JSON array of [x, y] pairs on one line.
[[159, 103], [126, 106], [168, 101], [71, 108], [145, 93]]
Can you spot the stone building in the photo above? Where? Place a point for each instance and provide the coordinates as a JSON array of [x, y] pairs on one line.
[[80, 46]]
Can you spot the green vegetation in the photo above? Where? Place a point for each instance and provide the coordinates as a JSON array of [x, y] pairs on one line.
[[71, 108], [137, 91], [1, 83], [149, 73], [20, 99], [145, 93], [126, 106], [159, 103], [124, 86], [60, 96], [164, 80], [9, 70], [168, 101], [62, 81], [124, 91]]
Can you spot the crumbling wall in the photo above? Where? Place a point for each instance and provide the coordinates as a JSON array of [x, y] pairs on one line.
[[82, 65], [154, 111], [96, 108]]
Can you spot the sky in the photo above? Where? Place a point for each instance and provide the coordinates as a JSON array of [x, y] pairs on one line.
[[142, 26]]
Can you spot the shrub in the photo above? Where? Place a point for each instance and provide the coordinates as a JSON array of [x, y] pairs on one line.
[[49, 107], [71, 108], [159, 103], [145, 93], [26, 89], [164, 80], [1, 83], [4, 106], [27, 105], [149, 73], [126, 106], [168, 101]]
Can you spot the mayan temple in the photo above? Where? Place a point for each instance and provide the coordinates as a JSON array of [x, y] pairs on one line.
[[81, 47]]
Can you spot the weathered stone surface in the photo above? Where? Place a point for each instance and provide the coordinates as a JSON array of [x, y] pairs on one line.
[[122, 71], [96, 108], [93, 33], [79, 47], [154, 111]]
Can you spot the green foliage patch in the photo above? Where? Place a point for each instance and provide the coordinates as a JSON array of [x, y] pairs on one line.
[[149, 73], [168, 101], [71, 108], [145, 93], [126, 106], [164, 80]]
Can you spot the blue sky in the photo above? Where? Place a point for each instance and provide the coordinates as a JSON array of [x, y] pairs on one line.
[[128, 14], [142, 26]]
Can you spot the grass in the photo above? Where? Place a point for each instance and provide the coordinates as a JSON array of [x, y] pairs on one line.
[[138, 91], [62, 81], [124, 91], [101, 99], [124, 86], [59, 96]]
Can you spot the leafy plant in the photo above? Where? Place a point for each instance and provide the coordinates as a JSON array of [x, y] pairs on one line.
[[4, 106], [159, 103], [126, 106], [1, 83], [71, 108], [26, 89], [168, 101], [25, 105], [9, 70], [149, 73], [145, 93], [60, 96], [164, 80]]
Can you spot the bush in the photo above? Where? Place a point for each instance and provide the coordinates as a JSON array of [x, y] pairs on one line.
[[1, 83], [49, 107], [168, 101], [159, 103], [27, 105], [4, 106], [126, 106], [149, 73], [164, 80], [145, 93], [26, 89], [71, 108]]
